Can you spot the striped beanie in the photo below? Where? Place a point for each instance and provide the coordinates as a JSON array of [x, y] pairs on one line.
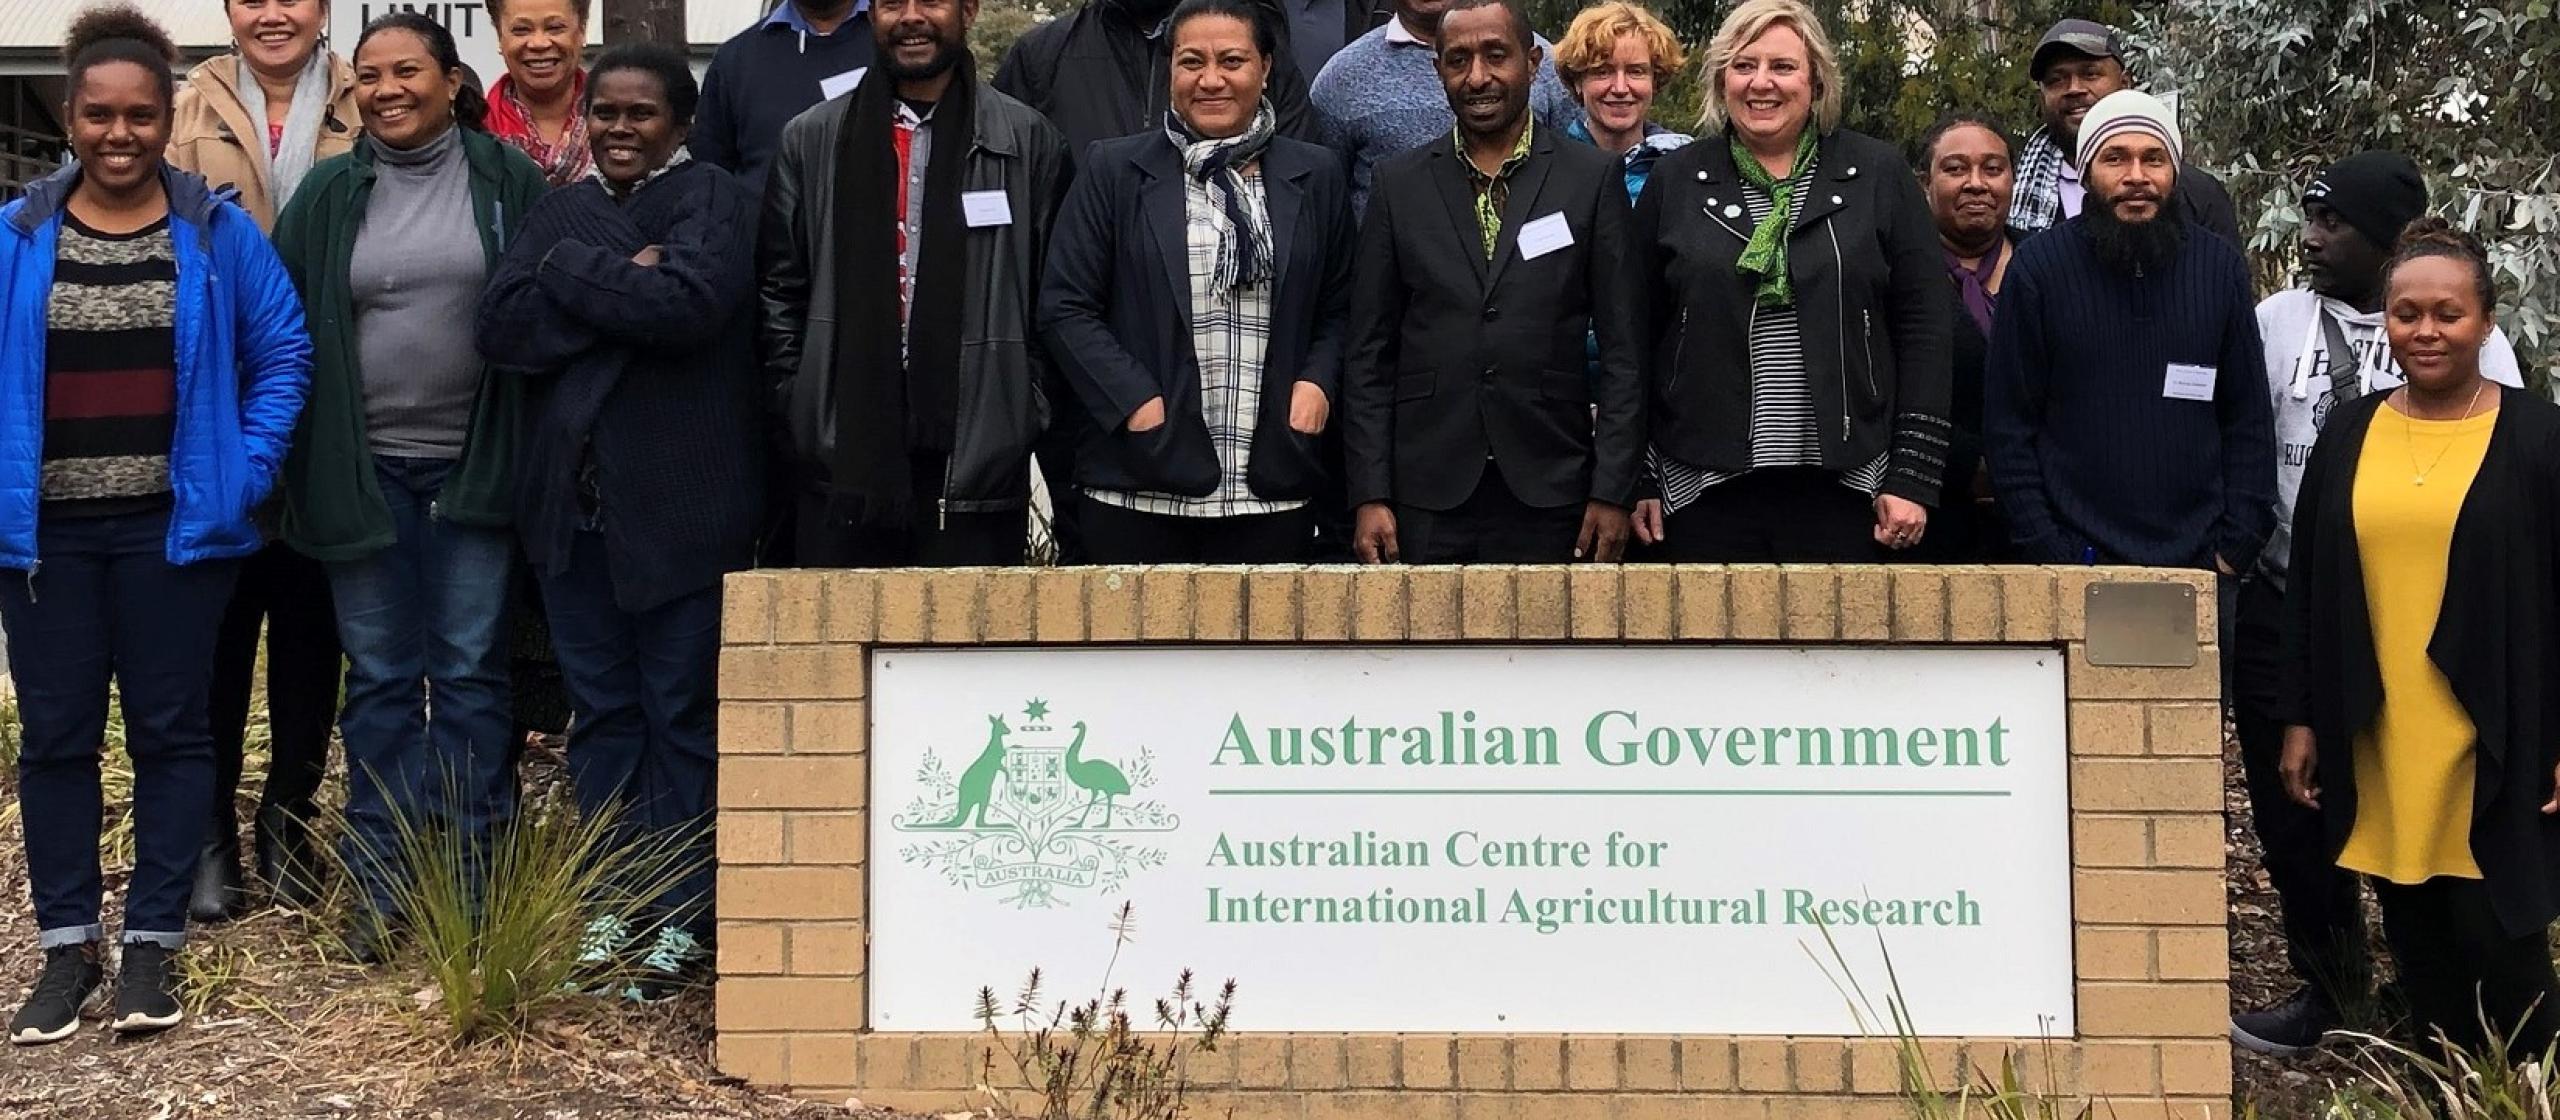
[[2129, 111]]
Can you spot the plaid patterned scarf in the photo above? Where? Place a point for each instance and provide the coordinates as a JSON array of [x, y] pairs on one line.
[[1244, 233], [2037, 203]]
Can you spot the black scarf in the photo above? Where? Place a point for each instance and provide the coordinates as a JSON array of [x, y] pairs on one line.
[[892, 406]]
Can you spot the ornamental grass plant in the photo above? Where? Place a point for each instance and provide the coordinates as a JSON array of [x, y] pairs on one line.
[[501, 929]]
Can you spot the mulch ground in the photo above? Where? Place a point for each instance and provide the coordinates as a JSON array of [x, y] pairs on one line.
[[2260, 976], [281, 1025], [280, 1028]]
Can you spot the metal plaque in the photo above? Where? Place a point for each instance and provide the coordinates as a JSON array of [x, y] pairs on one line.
[[2147, 625]]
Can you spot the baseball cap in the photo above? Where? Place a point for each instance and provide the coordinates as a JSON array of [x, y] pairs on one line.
[[2077, 36]]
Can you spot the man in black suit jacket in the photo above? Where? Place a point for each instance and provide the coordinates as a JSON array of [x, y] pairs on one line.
[[1472, 431]]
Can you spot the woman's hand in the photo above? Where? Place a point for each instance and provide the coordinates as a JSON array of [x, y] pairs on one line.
[[2301, 768], [649, 256], [1648, 521], [2552, 807], [1899, 521], [1308, 409], [1149, 417]]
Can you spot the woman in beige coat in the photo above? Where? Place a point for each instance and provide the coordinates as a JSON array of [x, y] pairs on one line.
[[265, 113], [254, 122]]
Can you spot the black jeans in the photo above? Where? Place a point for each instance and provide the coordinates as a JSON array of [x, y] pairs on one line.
[[2323, 916], [1795, 516], [107, 604], [1493, 526], [2459, 963], [1118, 535], [288, 594]]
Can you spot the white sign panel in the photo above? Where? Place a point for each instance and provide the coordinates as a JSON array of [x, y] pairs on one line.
[[1560, 839]]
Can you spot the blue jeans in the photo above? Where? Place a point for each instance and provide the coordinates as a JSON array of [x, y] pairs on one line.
[[426, 722], [644, 686], [105, 602]]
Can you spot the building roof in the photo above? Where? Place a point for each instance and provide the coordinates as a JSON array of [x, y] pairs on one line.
[[36, 26]]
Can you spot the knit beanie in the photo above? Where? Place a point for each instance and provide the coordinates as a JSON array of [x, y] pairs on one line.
[[2124, 111], [2379, 193]]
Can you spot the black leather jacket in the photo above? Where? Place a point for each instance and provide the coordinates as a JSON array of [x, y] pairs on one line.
[[1002, 367], [1872, 303]]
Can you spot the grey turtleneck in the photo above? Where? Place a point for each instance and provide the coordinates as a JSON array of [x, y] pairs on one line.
[[416, 276]]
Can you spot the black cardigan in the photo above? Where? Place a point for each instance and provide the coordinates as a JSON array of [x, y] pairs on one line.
[[2497, 641], [654, 369]]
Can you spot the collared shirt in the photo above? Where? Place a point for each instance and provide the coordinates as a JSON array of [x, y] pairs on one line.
[[1493, 191], [914, 139], [2068, 186], [1400, 35], [787, 14], [1230, 333]]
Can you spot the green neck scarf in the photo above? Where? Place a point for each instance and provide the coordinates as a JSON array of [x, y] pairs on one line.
[[1764, 258]]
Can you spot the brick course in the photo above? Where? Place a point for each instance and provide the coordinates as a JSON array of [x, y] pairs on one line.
[[2150, 950]]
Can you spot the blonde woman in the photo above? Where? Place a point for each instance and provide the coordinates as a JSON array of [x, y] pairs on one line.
[[1800, 372], [1614, 60]]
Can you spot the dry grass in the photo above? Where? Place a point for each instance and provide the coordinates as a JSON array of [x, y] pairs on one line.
[[283, 1026]]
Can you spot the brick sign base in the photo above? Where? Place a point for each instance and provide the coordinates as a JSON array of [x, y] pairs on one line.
[[2150, 955]]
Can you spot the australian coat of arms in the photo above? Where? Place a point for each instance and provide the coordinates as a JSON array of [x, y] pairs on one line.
[[1034, 815]]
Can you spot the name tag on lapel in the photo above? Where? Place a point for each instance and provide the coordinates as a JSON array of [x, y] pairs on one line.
[[986, 208], [831, 88], [1544, 236]]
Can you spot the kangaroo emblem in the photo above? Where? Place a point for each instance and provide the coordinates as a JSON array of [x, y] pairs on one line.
[[1102, 782], [978, 782]]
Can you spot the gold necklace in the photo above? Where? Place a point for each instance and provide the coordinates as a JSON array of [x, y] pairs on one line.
[[2417, 474]]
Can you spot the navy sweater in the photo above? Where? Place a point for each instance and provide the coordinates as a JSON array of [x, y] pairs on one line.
[[2090, 458], [647, 376], [760, 79]]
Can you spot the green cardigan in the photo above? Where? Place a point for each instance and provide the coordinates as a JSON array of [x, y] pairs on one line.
[[333, 509]]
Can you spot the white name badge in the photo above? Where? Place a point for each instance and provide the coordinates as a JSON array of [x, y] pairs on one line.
[[831, 88], [1544, 236], [986, 208], [2188, 383]]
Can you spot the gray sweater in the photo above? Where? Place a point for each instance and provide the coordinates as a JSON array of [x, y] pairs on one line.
[[416, 275]]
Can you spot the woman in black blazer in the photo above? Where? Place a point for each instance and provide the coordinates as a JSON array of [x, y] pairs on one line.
[[1197, 290], [2424, 638], [1800, 318]]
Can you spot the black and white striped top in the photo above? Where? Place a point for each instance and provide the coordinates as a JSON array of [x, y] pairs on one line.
[[1785, 432]]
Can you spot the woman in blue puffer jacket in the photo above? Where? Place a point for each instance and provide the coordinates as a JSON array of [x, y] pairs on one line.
[[152, 363]]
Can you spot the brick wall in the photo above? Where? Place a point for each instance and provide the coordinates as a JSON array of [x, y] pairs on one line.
[[2151, 953]]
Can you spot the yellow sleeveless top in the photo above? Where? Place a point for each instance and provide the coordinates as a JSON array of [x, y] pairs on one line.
[[2413, 768]]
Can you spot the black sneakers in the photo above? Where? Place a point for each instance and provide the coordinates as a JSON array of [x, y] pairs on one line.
[[52, 1012], [146, 992], [2287, 1029]]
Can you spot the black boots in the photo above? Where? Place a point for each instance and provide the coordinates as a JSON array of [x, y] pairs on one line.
[[286, 865], [219, 895], [286, 862]]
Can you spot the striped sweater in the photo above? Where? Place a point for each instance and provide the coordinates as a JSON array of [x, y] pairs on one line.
[[2091, 458], [111, 375]]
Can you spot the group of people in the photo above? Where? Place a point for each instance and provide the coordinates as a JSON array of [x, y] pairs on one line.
[[1251, 283]]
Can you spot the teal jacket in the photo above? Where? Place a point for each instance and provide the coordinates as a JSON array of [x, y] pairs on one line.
[[333, 509]]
